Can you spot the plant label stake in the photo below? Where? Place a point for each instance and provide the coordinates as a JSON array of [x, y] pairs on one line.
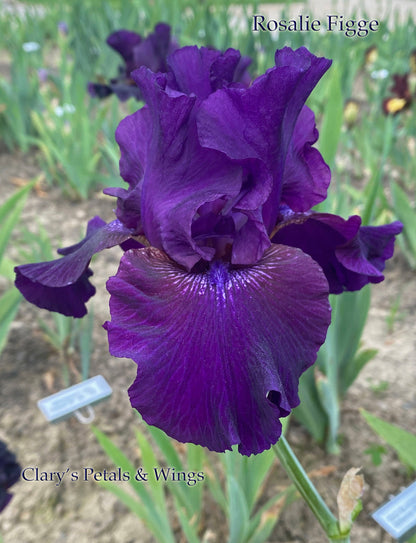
[[398, 516], [69, 401]]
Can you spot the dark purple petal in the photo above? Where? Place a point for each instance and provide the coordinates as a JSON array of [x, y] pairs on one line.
[[132, 136], [124, 42], [220, 352], [131, 244], [9, 474], [366, 254], [180, 176], [125, 89], [155, 49], [258, 123], [306, 176], [231, 122], [68, 300], [99, 90], [94, 225], [228, 68], [242, 75], [319, 235], [122, 88], [251, 240], [203, 71], [350, 256], [151, 51], [191, 68], [401, 87], [62, 285]]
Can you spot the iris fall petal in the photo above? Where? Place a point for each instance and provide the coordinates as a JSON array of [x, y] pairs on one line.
[[62, 285], [220, 352], [350, 255]]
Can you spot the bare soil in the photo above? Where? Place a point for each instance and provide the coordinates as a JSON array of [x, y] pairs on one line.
[[79, 512]]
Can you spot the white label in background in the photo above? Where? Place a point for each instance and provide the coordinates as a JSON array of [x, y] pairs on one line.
[[64, 403], [398, 516]]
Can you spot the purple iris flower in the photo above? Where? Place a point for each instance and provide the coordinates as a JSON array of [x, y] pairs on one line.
[[9, 474], [221, 297], [136, 51]]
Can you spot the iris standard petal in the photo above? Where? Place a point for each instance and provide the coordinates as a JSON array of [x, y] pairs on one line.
[[220, 352], [241, 73], [154, 50], [180, 176], [191, 69], [62, 285], [201, 71], [350, 255], [124, 42], [151, 51], [258, 122], [132, 136], [306, 176], [255, 122], [250, 241]]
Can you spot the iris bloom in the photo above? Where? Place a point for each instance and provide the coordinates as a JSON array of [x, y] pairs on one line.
[[9, 474], [221, 297], [135, 51], [402, 97], [403, 89]]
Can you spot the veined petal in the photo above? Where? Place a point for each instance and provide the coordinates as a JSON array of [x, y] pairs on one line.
[[220, 352], [62, 285]]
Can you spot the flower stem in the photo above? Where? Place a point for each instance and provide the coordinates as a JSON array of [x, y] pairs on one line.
[[308, 491]]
